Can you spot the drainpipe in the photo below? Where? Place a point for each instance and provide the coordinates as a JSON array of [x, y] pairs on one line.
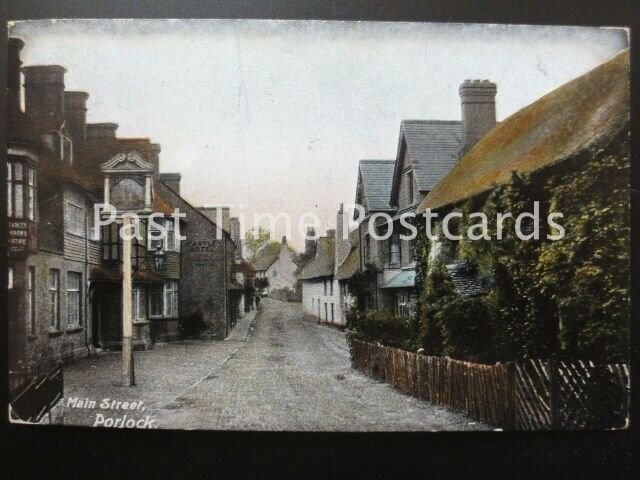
[[226, 289], [87, 286]]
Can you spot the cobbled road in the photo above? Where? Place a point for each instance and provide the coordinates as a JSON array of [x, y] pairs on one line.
[[276, 371]]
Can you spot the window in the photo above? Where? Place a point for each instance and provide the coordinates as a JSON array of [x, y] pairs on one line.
[[331, 286], [31, 299], [410, 186], [324, 282], [168, 234], [20, 190], [394, 250], [74, 303], [74, 218], [412, 250], [139, 304], [156, 304], [10, 278], [332, 316], [275, 273], [111, 245], [367, 248], [326, 315], [54, 298], [171, 299]]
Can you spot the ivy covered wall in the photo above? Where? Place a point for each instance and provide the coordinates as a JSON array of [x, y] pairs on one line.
[[562, 298]]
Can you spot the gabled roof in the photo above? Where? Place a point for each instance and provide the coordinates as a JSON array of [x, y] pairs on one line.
[[585, 113], [434, 148], [269, 253], [324, 262], [376, 178]]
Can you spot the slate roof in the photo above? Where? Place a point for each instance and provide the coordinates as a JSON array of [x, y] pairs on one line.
[[585, 113], [377, 179], [323, 264], [467, 281], [434, 148]]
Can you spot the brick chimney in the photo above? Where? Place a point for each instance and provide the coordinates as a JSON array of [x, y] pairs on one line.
[[478, 101], [155, 159], [44, 92], [13, 74], [342, 244], [212, 214], [172, 180], [310, 243], [75, 113], [101, 130]]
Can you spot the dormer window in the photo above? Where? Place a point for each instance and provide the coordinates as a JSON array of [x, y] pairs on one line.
[[171, 242], [66, 149]]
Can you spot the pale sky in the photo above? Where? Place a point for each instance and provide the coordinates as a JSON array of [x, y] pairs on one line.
[[273, 116]]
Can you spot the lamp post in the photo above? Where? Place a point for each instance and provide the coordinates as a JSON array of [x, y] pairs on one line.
[[128, 375]]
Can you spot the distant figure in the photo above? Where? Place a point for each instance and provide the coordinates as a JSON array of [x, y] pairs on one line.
[[251, 302], [257, 302]]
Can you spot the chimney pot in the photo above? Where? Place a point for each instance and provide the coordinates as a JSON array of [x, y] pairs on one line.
[[13, 74], [75, 111], [44, 92]]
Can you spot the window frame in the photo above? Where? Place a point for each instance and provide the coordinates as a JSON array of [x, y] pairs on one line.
[[54, 298], [394, 241], [74, 297], [25, 200]]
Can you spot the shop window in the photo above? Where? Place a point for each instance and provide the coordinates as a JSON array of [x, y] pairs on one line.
[[171, 299], [139, 304]]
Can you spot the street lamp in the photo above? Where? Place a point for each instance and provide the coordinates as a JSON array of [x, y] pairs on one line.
[[158, 258]]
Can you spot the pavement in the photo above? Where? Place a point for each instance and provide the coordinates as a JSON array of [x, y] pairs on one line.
[[275, 371]]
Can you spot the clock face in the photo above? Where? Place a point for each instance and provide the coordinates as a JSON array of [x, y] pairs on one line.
[[127, 193]]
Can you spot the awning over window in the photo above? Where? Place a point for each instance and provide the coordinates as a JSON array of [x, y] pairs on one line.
[[405, 279]]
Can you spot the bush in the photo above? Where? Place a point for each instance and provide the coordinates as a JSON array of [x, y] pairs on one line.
[[386, 328]]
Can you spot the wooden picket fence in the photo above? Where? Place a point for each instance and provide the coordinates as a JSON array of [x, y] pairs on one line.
[[531, 395]]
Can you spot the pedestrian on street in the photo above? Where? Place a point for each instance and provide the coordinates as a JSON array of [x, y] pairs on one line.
[[251, 302], [257, 302]]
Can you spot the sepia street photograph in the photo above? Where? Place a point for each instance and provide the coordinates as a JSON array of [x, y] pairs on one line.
[[318, 226]]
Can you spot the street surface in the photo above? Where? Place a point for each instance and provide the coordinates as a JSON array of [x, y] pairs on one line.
[[276, 371]]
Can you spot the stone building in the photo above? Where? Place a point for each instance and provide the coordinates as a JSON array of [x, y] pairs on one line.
[[64, 273], [278, 263], [390, 191]]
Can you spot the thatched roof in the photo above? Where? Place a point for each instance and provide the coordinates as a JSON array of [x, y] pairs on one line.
[[584, 113]]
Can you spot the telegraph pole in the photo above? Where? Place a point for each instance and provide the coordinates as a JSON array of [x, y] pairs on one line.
[[128, 376]]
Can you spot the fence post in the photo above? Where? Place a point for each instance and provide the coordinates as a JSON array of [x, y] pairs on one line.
[[554, 395], [511, 422]]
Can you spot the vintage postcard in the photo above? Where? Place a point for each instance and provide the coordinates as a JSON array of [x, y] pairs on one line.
[[287, 225]]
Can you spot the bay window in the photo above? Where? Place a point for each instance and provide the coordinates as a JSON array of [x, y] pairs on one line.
[[20, 190], [164, 236]]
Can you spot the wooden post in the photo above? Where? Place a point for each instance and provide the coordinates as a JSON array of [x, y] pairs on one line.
[[128, 379]]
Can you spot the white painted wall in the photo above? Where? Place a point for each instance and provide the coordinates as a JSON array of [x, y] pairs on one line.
[[314, 300]]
